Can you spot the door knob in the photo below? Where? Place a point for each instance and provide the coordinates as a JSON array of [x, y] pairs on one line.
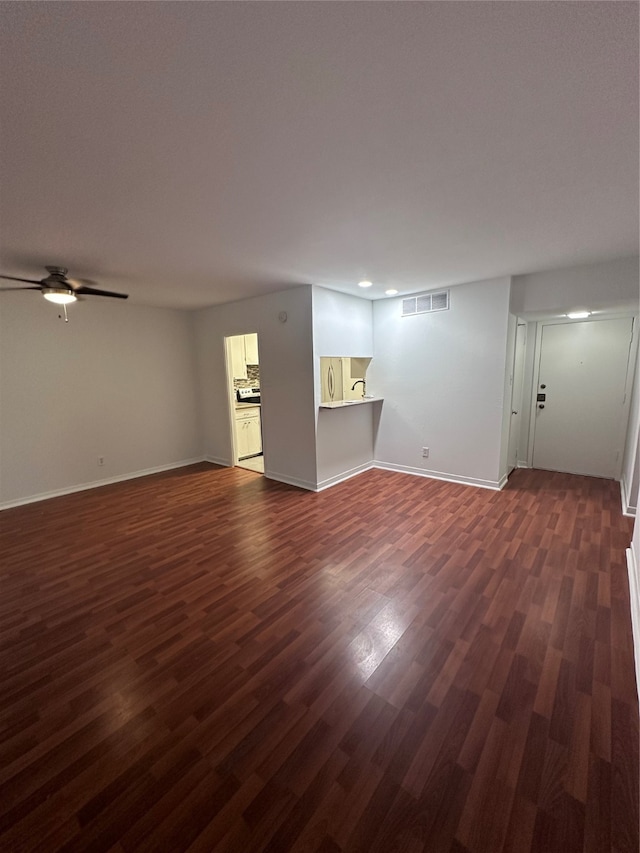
[[514, 413], [541, 406]]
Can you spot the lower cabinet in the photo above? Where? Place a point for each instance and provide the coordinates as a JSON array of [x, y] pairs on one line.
[[248, 432]]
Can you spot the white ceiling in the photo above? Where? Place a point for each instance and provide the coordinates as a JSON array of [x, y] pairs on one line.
[[197, 153]]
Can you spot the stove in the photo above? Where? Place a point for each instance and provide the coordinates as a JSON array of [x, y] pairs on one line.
[[248, 395]]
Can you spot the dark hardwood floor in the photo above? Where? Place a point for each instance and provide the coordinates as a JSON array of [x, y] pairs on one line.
[[205, 660]]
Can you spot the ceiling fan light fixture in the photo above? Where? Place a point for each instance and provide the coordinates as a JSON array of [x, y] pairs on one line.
[[59, 295]]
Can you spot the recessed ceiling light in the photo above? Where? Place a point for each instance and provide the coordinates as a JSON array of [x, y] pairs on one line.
[[391, 292], [578, 315], [365, 283]]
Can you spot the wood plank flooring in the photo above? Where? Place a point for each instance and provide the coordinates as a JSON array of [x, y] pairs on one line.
[[204, 660]]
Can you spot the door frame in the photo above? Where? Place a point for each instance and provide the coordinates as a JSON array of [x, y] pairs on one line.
[[628, 387], [520, 324], [231, 410], [231, 399]]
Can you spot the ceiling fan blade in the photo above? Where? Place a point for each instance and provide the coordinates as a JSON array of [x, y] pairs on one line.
[[13, 278], [91, 291], [80, 282]]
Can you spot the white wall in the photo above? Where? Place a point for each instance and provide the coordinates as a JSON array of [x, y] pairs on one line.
[[635, 547], [631, 462], [342, 326], [286, 380], [442, 377], [610, 285], [117, 381], [633, 565]]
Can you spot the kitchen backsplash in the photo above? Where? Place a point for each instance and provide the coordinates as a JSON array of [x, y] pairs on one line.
[[252, 380]]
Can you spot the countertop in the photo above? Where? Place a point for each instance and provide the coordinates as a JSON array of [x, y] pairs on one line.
[[247, 406], [347, 404]]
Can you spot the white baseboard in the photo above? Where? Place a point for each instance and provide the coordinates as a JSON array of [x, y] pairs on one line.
[[495, 485], [290, 481], [346, 475], [83, 487], [270, 475], [634, 593], [218, 460], [627, 509], [402, 469]]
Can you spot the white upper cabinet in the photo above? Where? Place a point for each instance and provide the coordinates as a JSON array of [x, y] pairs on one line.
[[251, 348], [238, 363], [244, 351]]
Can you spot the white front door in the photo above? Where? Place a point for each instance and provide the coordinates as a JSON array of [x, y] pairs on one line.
[[582, 378]]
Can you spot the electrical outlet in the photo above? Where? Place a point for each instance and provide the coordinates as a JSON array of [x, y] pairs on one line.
[[425, 452], [100, 460]]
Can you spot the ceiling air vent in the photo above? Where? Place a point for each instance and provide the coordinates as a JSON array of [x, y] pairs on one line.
[[425, 303]]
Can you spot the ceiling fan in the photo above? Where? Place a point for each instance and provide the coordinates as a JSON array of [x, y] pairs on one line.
[[56, 287]]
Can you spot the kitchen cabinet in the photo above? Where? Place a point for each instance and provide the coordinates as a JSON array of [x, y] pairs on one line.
[[251, 349], [248, 432], [358, 367], [238, 363], [244, 351]]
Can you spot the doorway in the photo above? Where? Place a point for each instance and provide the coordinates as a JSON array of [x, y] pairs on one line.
[[580, 405], [245, 401]]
